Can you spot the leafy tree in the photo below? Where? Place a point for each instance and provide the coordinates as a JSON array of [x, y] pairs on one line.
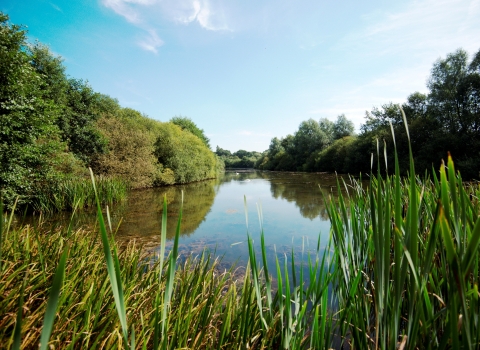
[[28, 135], [52, 71], [187, 124], [130, 151], [275, 147], [184, 153], [327, 127], [342, 127], [308, 139], [222, 152], [77, 123]]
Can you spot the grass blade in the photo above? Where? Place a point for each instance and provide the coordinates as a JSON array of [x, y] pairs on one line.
[[53, 301]]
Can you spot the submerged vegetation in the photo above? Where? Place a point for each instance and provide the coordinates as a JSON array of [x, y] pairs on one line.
[[53, 127], [401, 270]]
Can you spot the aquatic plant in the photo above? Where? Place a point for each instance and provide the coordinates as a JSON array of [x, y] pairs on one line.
[[78, 193], [401, 271]]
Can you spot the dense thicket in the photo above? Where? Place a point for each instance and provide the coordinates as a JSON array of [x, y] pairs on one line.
[[299, 152], [239, 159], [187, 124], [446, 119], [53, 127]]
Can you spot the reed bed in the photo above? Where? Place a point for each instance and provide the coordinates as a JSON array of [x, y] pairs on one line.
[[407, 262], [78, 193], [401, 271]]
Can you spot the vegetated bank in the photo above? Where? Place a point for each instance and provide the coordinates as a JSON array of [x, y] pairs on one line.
[[238, 159], [446, 119], [403, 272], [54, 127]]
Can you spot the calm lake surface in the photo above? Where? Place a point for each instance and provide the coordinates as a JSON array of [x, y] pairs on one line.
[[214, 216]]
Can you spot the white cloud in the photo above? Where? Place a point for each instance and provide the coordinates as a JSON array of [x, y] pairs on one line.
[[209, 14], [402, 48], [122, 8], [56, 7], [152, 42], [145, 14], [432, 26]]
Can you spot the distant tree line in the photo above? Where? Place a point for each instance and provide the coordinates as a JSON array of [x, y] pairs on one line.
[[239, 159], [446, 119], [53, 127]]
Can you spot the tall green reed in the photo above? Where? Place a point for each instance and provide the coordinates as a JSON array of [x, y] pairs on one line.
[[68, 193], [408, 261]]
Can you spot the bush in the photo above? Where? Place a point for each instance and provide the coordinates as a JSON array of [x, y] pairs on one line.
[[185, 154]]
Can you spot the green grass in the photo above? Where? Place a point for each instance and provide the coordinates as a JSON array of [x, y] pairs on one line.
[[401, 271], [78, 193]]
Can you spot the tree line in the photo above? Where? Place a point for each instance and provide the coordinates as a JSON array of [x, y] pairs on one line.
[[238, 159], [53, 127], [445, 120]]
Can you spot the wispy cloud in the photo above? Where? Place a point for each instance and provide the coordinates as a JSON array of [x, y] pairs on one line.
[[151, 42], [56, 7], [147, 14], [126, 9], [428, 25], [209, 14], [403, 46]]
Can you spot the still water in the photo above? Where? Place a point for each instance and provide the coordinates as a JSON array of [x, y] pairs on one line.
[[214, 215]]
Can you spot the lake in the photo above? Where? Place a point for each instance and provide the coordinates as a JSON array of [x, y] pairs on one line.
[[214, 216]]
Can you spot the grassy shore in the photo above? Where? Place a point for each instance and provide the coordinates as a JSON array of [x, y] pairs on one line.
[[77, 193], [402, 272]]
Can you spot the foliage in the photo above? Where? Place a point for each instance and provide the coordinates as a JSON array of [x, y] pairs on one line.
[[28, 135], [130, 150], [447, 119], [52, 127], [76, 193], [188, 125], [400, 271], [238, 159], [184, 153], [300, 152], [407, 257]]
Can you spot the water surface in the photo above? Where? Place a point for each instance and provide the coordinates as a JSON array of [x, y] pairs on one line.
[[214, 215]]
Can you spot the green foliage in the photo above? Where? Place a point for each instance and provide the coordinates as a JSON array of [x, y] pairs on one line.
[[239, 159], [29, 137], [52, 127], [342, 127], [188, 125], [184, 153], [130, 150], [447, 119]]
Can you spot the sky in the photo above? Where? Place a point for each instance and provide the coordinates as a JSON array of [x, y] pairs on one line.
[[246, 71]]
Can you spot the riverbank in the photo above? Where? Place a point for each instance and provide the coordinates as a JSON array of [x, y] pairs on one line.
[[402, 271]]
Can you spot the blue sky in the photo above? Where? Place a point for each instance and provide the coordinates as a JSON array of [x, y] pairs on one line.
[[246, 71]]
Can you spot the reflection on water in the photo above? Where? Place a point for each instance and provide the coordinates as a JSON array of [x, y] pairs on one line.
[[143, 212], [214, 216]]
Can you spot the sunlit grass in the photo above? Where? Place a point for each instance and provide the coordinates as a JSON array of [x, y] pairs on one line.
[[400, 271], [79, 193]]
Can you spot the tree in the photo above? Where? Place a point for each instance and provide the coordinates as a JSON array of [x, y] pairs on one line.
[[28, 135], [342, 127], [223, 152], [52, 71], [308, 139], [275, 147], [188, 125], [327, 127], [446, 77]]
